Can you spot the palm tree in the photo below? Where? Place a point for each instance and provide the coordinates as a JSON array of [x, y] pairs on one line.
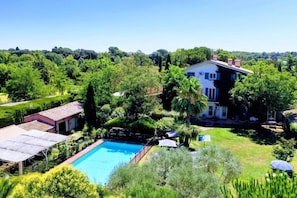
[[190, 101], [186, 134]]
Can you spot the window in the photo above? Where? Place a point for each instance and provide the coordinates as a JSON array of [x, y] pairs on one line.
[[212, 76], [62, 127], [210, 93], [224, 112], [233, 77], [206, 92], [189, 74], [210, 110], [236, 76]]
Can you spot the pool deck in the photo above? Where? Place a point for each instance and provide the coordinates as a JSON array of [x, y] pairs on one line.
[[83, 152]]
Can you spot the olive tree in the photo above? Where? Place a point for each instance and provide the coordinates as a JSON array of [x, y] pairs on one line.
[[178, 172]]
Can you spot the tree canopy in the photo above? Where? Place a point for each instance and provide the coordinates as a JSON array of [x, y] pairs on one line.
[[138, 88], [25, 83], [266, 89], [178, 172], [170, 80]]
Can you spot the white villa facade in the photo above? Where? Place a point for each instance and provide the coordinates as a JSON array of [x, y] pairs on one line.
[[217, 78]]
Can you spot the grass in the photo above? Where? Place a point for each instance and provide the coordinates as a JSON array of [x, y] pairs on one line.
[[148, 155], [254, 154]]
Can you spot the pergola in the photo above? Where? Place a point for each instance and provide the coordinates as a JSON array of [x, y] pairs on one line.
[[26, 145]]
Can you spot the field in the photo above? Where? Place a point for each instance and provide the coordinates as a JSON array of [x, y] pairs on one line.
[[253, 150]]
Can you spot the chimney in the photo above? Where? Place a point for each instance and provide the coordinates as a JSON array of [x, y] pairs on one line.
[[237, 62], [215, 57], [230, 61]]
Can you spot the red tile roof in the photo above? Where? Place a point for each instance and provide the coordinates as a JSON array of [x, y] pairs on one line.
[[62, 112]]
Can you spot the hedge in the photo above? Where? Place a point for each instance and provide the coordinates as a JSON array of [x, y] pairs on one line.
[[115, 122], [145, 125], [15, 114]]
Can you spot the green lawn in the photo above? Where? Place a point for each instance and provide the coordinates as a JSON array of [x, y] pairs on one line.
[[254, 158]]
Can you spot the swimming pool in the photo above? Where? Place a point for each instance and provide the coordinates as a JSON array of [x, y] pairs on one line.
[[101, 161]]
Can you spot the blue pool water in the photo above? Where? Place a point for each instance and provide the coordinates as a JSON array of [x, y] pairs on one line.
[[101, 161]]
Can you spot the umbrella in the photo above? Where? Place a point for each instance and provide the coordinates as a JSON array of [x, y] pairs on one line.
[[167, 142], [281, 165], [171, 134]]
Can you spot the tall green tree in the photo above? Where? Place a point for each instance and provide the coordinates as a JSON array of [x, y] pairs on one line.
[[168, 62], [4, 74], [141, 59], [189, 100], [60, 81], [25, 84], [266, 89], [4, 57], [46, 67], [70, 67], [137, 99], [185, 57], [223, 55], [170, 80], [105, 82], [90, 107], [160, 63]]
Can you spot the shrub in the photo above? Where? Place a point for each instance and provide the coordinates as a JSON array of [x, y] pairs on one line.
[[118, 112], [6, 186], [171, 173], [146, 189], [65, 181], [145, 125], [275, 185], [157, 114], [62, 181], [29, 185], [115, 122], [104, 113], [98, 133], [165, 124], [293, 127], [284, 150]]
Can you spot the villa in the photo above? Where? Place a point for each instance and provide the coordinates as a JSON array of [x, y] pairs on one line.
[[217, 79]]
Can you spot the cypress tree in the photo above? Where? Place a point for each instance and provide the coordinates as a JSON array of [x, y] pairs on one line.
[[90, 107], [160, 63], [168, 62]]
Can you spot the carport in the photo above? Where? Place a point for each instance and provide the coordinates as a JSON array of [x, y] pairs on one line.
[[23, 146]]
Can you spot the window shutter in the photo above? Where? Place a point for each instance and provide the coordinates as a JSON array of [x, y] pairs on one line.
[[206, 75], [190, 74], [218, 76], [217, 93], [206, 92]]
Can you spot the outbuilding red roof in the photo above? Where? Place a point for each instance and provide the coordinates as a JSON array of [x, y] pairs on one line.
[[62, 112]]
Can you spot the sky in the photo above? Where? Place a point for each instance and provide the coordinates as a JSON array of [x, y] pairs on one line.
[[149, 25]]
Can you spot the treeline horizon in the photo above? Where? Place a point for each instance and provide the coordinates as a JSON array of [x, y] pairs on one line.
[[92, 54], [31, 74]]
